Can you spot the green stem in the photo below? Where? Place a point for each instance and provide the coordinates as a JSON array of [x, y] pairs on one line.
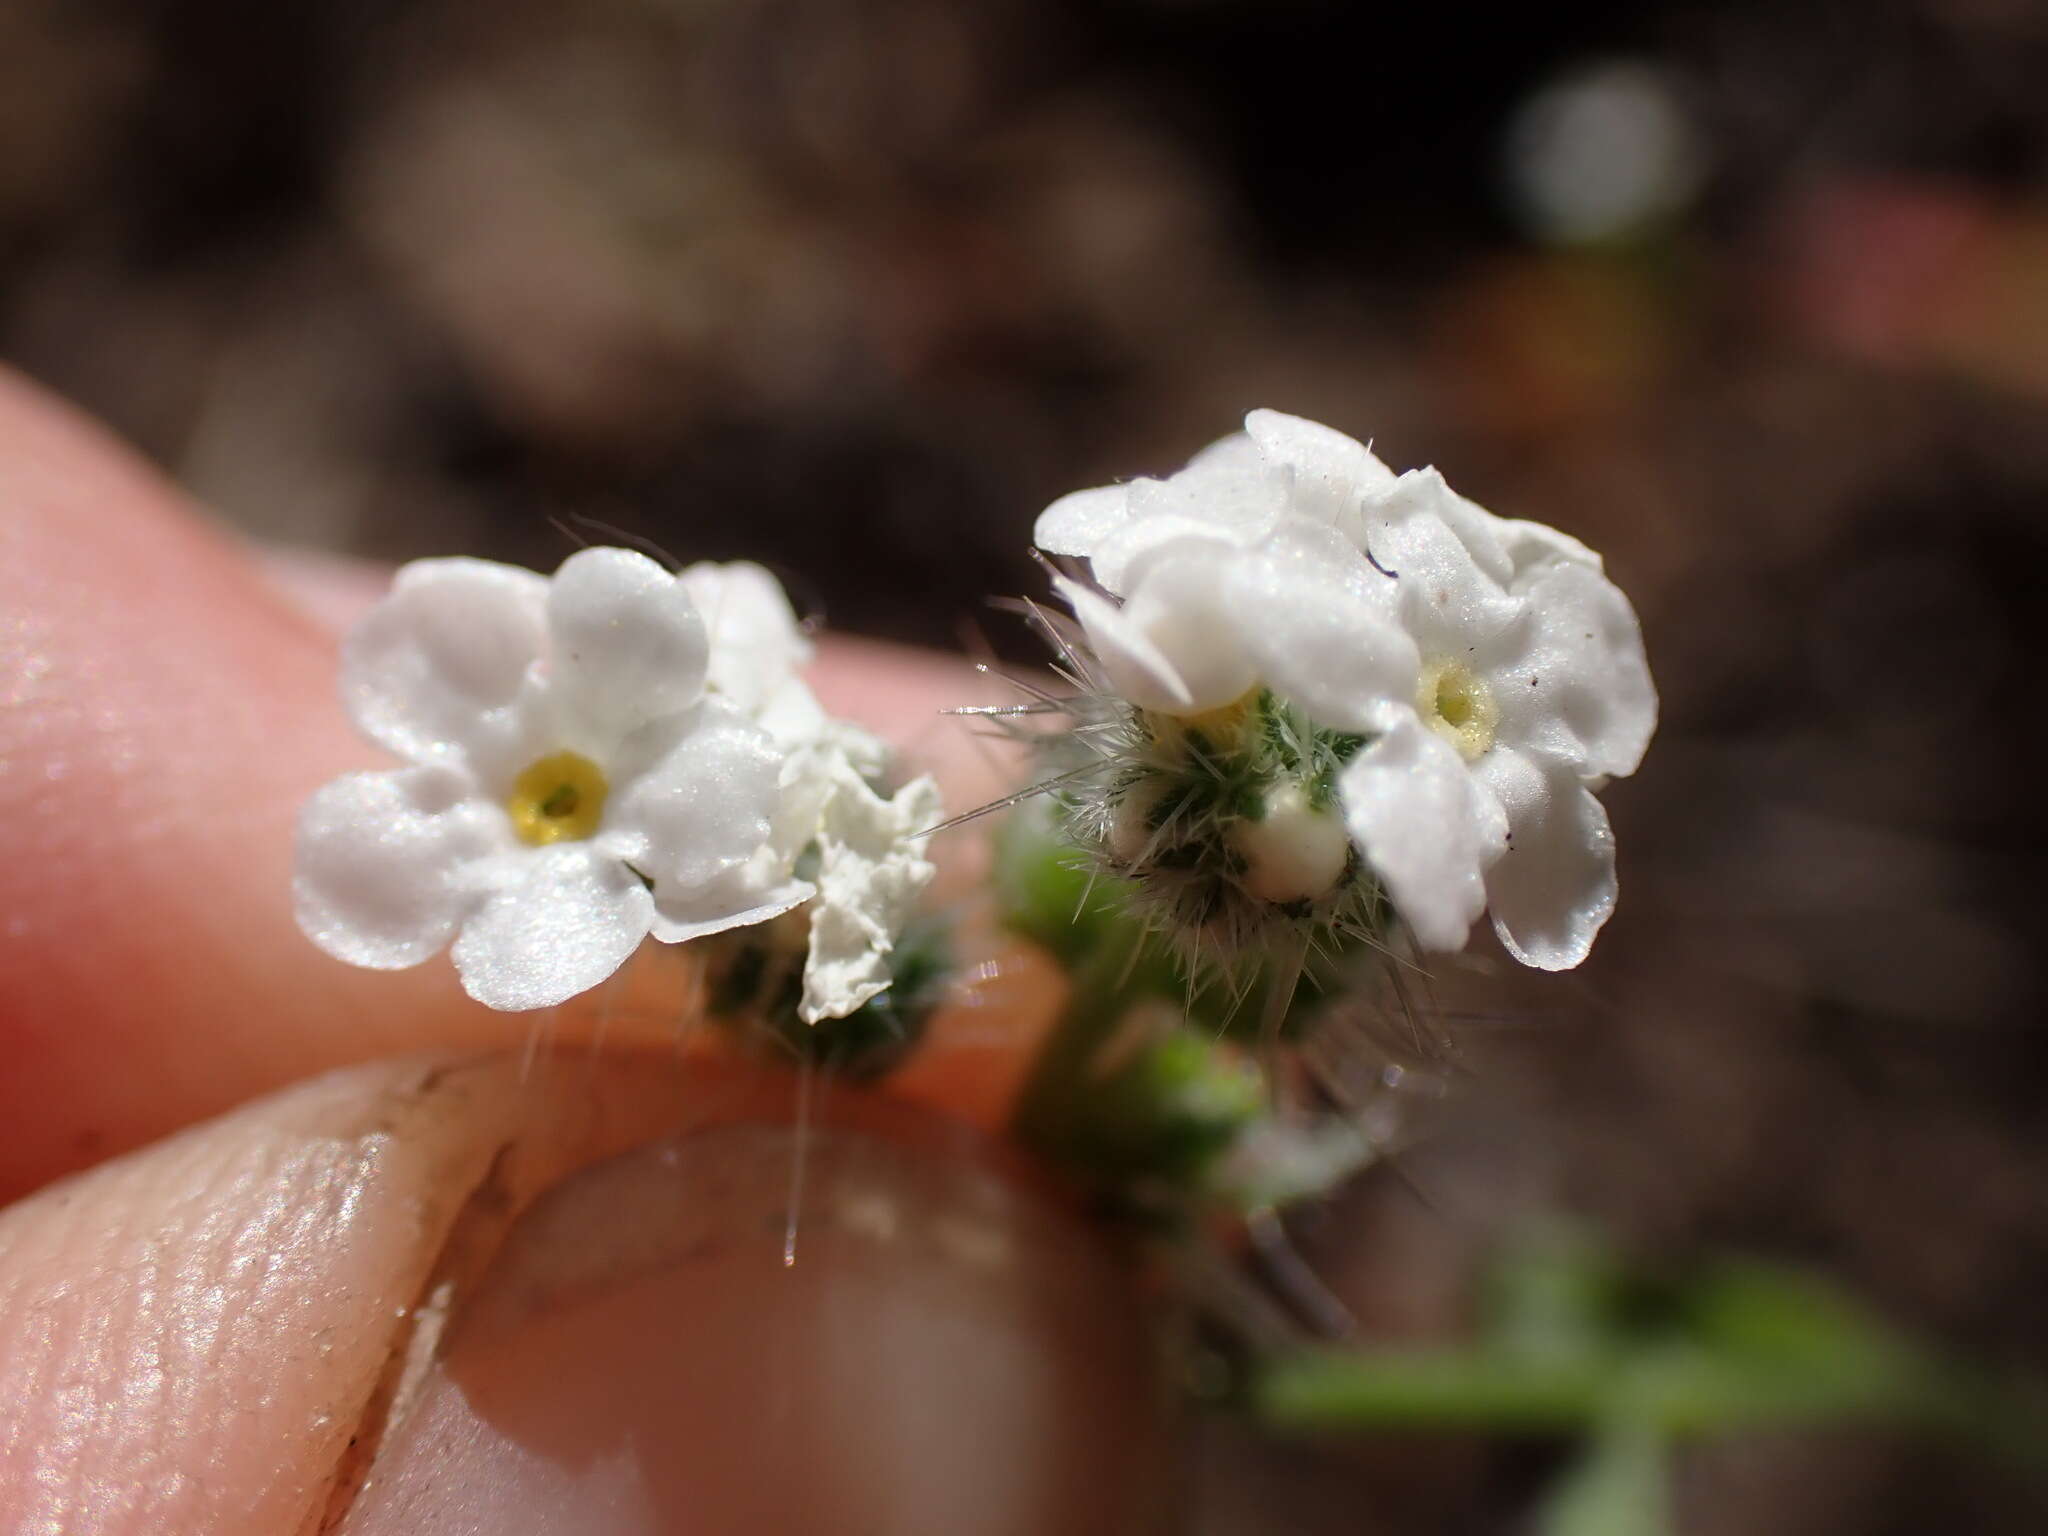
[[1676, 1391], [1102, 988], [1334, 1392]]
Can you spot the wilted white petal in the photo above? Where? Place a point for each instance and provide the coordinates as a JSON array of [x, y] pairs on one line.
[[570, 919], [872, 870], [1329, 472], [757, 645], [1424, 826], [865, 752], [1319, 625], [378, 874], [434, 670], [1571, 679], [627, 645], [1077, 523], [704, 807], [1554, 886], [792, 715]]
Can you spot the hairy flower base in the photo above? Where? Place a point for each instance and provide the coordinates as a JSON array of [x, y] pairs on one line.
[[1226, 827], [1498, 672]]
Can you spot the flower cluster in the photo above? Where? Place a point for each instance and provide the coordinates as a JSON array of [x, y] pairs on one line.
[[614, 752], [1332, 681]]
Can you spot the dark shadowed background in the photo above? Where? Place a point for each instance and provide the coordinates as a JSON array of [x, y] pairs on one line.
[[1752, 297]]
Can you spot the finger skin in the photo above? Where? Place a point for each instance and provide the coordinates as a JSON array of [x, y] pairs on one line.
[[164, 710], [212, 1334], [161, 714]]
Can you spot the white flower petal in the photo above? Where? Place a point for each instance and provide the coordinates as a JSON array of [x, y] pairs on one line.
[[1571, 679], [1229, 486], [1554, 886], [1532, 547], [1424, 826], [1132, 665], [1120, 559], [757, 645], [872, 870], [1319, 625], [1077, 523], [570, 920], [1482, 534], [1448, 601], [378, 871], [1176, 643], [730, 901], [627, 645], [434, 671], [1227, 493], [703, 808], [1330, 473]]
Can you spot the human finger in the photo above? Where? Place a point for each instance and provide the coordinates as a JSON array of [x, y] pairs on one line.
[[611, 1296]]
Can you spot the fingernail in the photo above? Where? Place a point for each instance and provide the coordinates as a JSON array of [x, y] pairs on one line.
[[757, 1329]]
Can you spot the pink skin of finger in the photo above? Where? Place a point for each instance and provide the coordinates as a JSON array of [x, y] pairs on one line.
[[617, 1295]]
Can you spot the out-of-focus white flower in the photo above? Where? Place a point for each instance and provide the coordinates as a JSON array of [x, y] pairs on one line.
[[1495, 673], [609, 754]]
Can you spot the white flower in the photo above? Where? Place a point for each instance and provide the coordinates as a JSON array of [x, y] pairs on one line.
[[573, 788], [1497, 674], [614, 753]]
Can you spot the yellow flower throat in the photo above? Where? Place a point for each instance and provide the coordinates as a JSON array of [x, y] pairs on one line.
[[557, 798], [1456, 703]]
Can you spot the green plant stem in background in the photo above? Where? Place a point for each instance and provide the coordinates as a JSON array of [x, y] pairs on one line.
[[1676, 1391], [1573, 1342]]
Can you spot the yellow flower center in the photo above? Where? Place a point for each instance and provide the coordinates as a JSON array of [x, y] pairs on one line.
[[557, 797], [1458, 706]]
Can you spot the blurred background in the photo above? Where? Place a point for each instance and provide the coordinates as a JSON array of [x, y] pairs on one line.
[[1752, 297]]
